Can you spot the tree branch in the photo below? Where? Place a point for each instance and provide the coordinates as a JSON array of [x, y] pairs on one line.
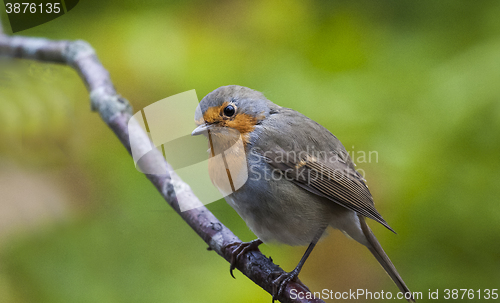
[[116, 112]]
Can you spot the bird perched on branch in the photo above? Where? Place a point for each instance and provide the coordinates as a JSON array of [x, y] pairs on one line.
[[288, 177]]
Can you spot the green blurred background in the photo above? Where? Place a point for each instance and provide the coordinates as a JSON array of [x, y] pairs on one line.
[[416, 81]]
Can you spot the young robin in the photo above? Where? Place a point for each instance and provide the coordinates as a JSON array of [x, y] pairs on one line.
[[289, 177]]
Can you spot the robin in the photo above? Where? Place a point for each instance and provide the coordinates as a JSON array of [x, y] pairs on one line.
[[295, 177]]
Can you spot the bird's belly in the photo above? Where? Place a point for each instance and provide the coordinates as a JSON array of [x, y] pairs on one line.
[[281, 211]]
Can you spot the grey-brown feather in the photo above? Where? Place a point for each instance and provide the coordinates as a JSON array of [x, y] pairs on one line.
[[331, 178]]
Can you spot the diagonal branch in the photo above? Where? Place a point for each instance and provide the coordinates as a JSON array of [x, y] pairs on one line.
[[116, 112]]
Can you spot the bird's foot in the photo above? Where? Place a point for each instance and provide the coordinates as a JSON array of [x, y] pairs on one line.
[[279, 284], [240, 249]]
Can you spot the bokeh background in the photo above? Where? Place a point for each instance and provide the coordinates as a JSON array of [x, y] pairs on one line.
[[416, 81]]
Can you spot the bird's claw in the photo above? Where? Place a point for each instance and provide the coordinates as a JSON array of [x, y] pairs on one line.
[[280, 283], [241, 249]]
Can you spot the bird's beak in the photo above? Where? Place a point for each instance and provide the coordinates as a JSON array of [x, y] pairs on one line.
[[200, 129]]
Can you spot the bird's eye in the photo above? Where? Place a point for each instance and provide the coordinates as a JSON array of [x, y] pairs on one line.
[[229, 110]]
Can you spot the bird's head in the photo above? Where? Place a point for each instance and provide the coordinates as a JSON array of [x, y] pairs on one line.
[[230, 110]]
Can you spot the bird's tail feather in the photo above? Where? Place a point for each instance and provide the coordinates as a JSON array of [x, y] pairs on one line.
[[383, 259]]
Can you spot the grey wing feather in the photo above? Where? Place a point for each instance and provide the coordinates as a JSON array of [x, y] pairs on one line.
[[332, 179]]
